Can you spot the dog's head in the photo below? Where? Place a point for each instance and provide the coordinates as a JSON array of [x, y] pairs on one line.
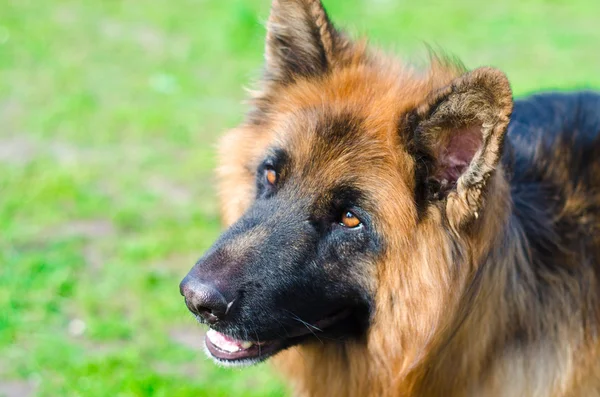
[[344, 166]]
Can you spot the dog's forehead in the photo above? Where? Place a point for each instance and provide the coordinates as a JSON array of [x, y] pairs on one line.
[[348, 120], [328, 141]]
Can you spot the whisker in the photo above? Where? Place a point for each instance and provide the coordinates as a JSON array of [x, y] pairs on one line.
[[258, 344], [307, 325]]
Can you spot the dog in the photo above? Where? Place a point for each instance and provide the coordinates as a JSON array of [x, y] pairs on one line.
[[403, 232]]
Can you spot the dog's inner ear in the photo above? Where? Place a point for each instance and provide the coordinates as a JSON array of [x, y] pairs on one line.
[[301, 41], [457, 139], [454, 153]]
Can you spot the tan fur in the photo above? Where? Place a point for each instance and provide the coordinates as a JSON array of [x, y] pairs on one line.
[[440, 325]]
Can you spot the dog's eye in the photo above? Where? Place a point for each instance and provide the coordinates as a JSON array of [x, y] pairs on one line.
[[350, 220], [271, 176]]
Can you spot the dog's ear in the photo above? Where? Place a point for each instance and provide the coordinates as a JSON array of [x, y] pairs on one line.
[[457, 138], [301, 41]]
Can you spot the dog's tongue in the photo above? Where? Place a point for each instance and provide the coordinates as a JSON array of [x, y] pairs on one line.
[[227, 343]]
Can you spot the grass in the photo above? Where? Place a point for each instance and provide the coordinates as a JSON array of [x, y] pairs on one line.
[[108, 115]]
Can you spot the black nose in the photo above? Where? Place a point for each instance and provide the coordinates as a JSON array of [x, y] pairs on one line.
[[203, 300]]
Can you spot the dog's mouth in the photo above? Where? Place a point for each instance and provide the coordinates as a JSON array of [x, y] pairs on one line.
[[229, 351]]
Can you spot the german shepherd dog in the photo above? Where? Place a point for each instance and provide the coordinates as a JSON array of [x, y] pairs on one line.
[[402, 232]]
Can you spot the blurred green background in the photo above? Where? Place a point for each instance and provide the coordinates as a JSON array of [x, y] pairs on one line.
[[109, 110]]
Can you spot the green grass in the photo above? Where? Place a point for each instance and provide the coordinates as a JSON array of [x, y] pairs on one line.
[[109, 111]]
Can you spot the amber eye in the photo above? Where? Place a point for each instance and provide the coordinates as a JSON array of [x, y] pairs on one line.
[[271, 176], [349, 220]]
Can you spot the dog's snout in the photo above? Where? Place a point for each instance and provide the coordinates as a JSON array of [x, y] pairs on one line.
[[203, 299]]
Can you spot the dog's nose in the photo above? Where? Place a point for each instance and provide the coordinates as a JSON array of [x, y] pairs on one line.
[[203, 300]]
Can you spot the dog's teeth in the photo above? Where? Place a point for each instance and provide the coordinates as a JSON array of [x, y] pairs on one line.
[[230, 349], [246, 345], [227, 343]]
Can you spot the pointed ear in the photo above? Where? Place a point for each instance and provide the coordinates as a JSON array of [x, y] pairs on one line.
[[301, 41], [458, 136]]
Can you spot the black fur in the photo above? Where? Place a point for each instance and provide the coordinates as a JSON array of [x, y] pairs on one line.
[[551, 152]]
